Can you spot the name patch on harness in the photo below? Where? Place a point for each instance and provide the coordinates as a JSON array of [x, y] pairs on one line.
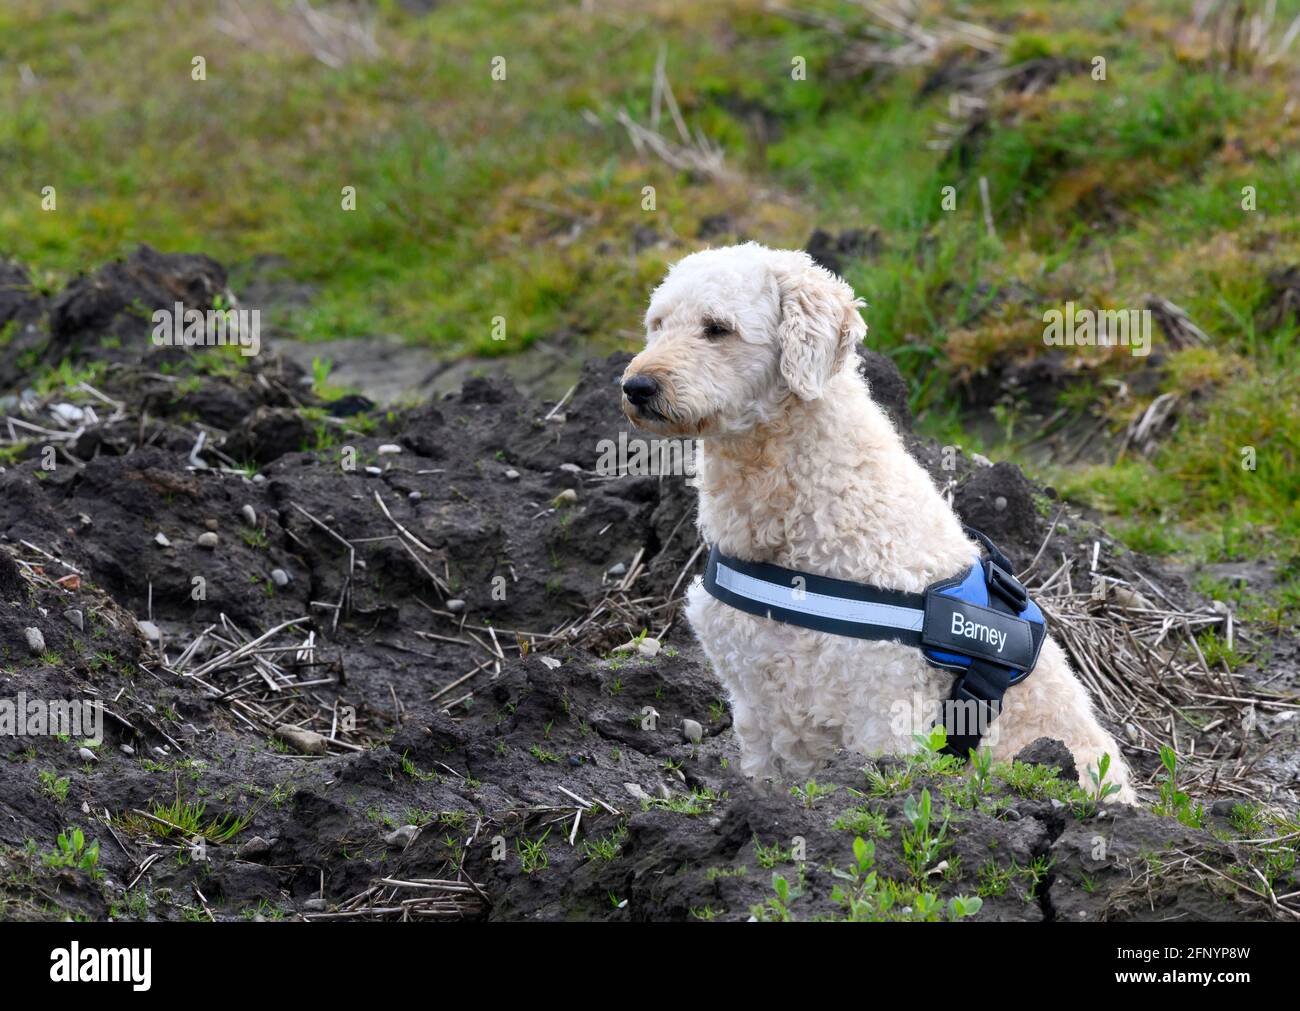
[[968, 629]]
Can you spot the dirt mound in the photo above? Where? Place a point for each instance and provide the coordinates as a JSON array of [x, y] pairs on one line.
[[338, 649]]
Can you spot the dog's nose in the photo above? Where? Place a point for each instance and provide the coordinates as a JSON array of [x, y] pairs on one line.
[[640, 389]]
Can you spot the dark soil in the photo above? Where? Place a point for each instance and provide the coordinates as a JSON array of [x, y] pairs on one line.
[[483, 780]]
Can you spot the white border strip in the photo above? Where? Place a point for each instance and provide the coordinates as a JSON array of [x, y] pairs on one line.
[[861, 612]]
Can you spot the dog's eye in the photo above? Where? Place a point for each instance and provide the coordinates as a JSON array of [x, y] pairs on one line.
[[655, 324], [713, 329]]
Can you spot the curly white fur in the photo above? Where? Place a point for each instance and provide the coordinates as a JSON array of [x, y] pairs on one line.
[[752, 350]]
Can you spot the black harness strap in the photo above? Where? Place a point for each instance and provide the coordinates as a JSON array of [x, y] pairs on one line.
[[976, 699]]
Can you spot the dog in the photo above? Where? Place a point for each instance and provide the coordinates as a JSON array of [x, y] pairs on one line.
[[751, 351]]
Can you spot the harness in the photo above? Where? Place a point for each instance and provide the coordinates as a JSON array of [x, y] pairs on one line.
[[980, 624]]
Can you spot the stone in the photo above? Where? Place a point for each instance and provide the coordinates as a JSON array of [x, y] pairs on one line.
[[161, 540], [692, 731], [249, 514], [455, 605], [403, 836], [389, 449], [281, 578], [307, 742], [35, 641], [76, 618], [208, 540], [150, 630], [254, 847]]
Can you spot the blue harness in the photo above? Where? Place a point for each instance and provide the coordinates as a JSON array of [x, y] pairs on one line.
[[980, 624]]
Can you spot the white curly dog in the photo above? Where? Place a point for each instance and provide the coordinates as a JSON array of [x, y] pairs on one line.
[[751, 350]]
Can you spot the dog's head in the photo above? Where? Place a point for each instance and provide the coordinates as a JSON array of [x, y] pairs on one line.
[[733, 336]]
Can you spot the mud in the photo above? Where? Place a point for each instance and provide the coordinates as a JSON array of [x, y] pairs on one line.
[[499, 530]]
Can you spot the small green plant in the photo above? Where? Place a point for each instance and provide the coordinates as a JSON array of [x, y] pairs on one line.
[[921, 841], [768, 857], [1087, 803], [868, 898], [1173, 802], [532, 854], [54, 786], [72, 851], [862, 821], [605, 848], [811, 792]]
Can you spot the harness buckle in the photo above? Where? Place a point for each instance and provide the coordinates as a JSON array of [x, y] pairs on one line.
[[1006, 586]]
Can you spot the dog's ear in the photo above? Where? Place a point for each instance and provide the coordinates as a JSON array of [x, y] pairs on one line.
[[820, 323]]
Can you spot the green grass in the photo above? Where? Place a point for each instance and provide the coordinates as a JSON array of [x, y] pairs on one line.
[[483, 203]]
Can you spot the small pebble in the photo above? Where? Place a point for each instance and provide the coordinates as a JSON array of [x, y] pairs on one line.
[[259, 478], [648, 647], [566, 497], [570, 468], [76, 618], [636, 791], [127, 750], [208, 540], [692, 731], [1000, 503], [414, 496], [211, 524], [161, 540], [306, 741], [68, 413], [402, 837], [388, 449], [617, 570], [255, 847], [150, 630], [35, 641], [455, 605], [314, 906], [280, 578], [664, 792], [373, 471], [249, 514], [512, 475], [86, 755]]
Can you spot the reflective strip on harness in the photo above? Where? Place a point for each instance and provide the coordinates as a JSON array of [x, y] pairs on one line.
[[820, 605]]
